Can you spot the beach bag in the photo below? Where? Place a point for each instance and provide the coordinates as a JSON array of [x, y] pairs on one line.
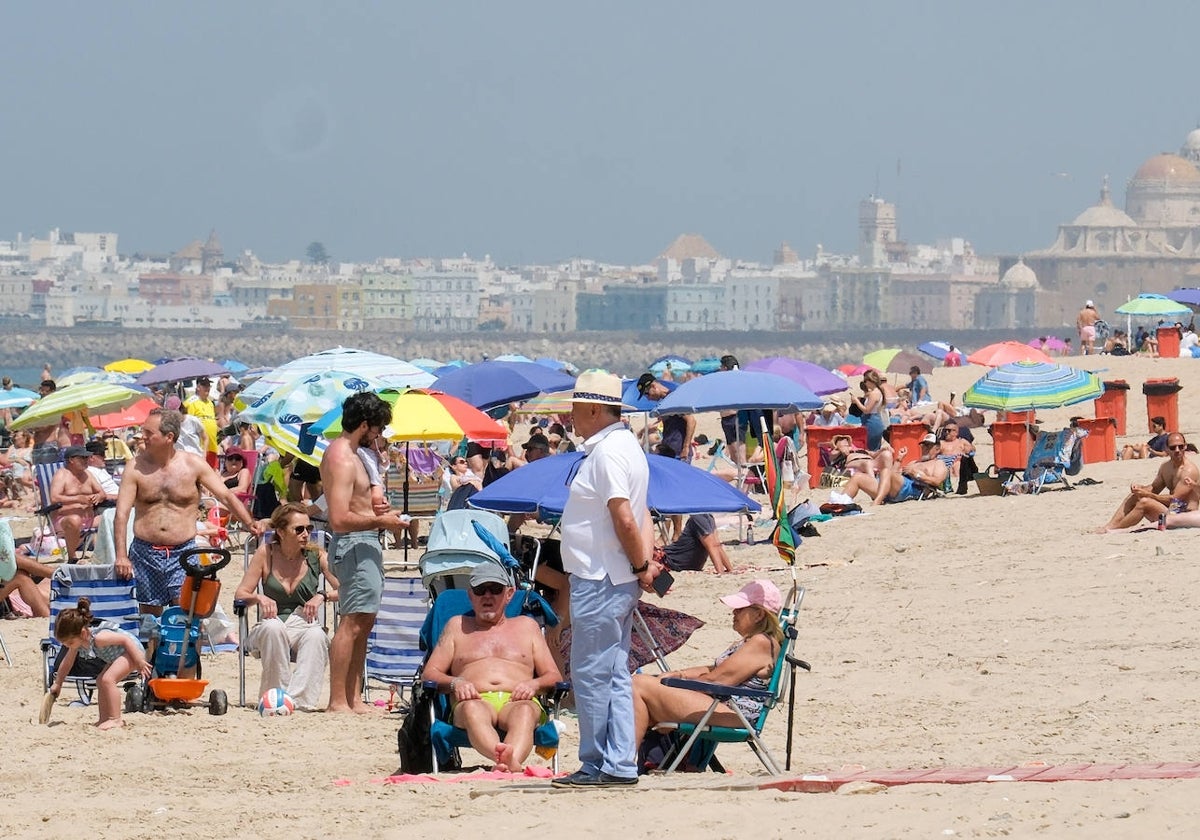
[[412, 739], [45, 543]]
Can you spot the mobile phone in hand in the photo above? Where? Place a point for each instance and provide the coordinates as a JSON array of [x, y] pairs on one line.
[[663, 582]]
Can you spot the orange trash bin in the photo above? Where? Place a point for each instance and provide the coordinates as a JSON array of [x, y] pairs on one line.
[[1168, 343], [1101, 442], [1011, 444], [907, 436], [1162, 400], [1112, 403]]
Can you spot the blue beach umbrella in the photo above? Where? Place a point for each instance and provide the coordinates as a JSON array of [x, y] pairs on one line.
[[1191, 297], [726, 390], [1024, 385], [709, 364], [679, 364], [557, 364], [813, 377], [513, 357], [234, 366], [490, 384], [635, 401], [935, 349], [675, 488], [427, 365], [17, 397]]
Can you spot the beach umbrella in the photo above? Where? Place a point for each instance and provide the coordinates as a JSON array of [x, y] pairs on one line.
[[129, 366], [307, 399], [935, 349], [880, 359], [94, 375], [1024, 385], [557, 364], [636, 402], [812, 376], [726, 390], [1004, 352], [490, 384], [294, 438], [386, 371], [88, 397], [678, 364], [424, 415], [75, 371], [514, 357], [709, 364], [234, 366], [675, 487], [133, 415], [894, 360], [557, 403], [1154, 306], [1048, 343], [1191, 297], [853, 370], [427, 365], [177, 370], [18, 397]]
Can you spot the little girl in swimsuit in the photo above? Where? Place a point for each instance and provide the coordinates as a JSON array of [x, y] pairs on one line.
[[103, 640]]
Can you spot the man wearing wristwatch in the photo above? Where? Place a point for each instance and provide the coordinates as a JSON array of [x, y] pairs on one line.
[[607, 545]]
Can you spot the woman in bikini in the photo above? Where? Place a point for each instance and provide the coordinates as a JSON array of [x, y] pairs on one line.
[[284, 580]]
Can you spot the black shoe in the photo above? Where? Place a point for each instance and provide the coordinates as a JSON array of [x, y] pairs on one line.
[[575, 779], [605, 780]]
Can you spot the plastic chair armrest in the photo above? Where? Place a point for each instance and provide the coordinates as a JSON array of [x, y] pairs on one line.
[[239, 606], [717, 690]]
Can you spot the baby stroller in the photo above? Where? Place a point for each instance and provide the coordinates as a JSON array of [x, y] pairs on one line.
[[172, 640]]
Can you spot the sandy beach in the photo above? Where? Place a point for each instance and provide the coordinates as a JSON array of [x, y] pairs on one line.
[[959, 632]]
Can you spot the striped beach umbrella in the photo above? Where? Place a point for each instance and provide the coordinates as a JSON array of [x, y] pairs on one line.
[[1024, 385], [88, 397], [387, 371]]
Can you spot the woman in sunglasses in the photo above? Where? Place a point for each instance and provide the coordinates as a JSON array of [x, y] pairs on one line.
[[285, 581]]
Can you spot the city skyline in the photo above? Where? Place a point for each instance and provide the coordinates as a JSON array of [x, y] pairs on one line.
[[540, 133]]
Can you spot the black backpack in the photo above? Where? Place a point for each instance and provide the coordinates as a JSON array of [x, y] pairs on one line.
[[412, 739]]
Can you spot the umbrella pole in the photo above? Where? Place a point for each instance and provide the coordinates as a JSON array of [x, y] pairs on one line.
[[405, 511]]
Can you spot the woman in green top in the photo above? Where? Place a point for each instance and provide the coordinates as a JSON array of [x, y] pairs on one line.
[[289, 580]]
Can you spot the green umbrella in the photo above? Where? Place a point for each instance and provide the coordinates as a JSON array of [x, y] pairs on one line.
[[1153, 305], [89, 397]]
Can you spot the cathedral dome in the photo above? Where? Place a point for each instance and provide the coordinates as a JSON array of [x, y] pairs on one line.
[[1168, 167], [1020, 276], [1103, 214]]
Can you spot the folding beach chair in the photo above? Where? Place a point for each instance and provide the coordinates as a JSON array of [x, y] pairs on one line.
[[112, 598], [394, 654], [1055, 456], [446, 738], [706, 737], [43, 476]]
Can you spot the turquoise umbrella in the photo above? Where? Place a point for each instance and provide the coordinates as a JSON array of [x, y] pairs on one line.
[[1151, 306], [1024, 385]]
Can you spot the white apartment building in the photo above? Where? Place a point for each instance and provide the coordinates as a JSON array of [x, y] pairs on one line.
[[751, 302], [445, 302], [691, 308]]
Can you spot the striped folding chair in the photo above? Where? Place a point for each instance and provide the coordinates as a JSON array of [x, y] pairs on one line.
[[394, 655], [43, 475]]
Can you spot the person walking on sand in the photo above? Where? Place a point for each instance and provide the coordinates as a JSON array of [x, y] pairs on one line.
[[607, 549], [1178, 476], [1085, 322], [357, 556]]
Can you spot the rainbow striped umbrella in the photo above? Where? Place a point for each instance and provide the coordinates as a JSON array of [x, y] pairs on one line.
[[1023, 385], [421, 415]]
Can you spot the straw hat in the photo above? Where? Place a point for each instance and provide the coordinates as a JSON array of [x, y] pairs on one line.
[[598, 387]]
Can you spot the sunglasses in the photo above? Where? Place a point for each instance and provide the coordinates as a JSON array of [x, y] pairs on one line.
[[458, 462], [488, 589], [1178, 448], [302, 529]]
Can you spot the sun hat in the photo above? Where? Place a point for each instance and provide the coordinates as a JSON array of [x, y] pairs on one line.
[[1089, 305], [598, 387], [489, 572], [829, 407], [760, 593]]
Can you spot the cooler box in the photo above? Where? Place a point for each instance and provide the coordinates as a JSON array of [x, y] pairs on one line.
[[1101, 442], [907, 435], [1162, 400], [1012, 443], [816, 435], [1112, 403], [1168, 346]]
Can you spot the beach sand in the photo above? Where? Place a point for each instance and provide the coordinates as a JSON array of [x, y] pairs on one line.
[[959, 632]]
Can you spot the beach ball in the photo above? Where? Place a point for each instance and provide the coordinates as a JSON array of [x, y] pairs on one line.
[[276, 703]]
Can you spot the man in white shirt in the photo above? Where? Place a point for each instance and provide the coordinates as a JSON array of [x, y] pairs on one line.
[[96, 467], [607, 549]]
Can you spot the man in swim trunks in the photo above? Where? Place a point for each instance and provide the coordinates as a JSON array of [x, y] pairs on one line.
[[494, 667], [1085, 322], [898, 483], [76, 492], [356, 554], [1176, 489], [162, 487]]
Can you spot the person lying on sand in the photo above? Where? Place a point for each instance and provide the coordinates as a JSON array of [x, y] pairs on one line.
[[1177, 476], [903, 483]]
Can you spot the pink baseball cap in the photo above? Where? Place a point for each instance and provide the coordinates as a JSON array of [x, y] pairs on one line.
[[760, 593]]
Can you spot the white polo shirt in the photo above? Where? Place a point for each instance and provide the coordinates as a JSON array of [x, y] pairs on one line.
[[614, 467]]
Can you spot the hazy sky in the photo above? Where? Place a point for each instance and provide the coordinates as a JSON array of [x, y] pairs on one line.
[[540, 131]]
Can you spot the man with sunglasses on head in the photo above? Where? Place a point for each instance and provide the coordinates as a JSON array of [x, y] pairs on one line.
[[357, 556], [1176, 489], [493, 667]]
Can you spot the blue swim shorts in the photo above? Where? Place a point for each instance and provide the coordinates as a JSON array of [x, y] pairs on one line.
[[156, 567]]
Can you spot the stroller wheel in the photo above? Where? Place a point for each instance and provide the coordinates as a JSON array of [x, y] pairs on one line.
[[135, 698], [218, 702]]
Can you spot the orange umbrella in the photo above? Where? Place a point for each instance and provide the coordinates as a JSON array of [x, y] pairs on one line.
[[134, 415], [1006, 352]]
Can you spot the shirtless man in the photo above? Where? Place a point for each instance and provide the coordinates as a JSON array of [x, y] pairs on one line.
[[1178, 475], [162, 487], [355, 555], [494, 667], [78, 492], [1085, 322], [902, 483]]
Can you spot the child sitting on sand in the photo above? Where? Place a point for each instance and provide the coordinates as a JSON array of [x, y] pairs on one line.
[[103, 640]]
